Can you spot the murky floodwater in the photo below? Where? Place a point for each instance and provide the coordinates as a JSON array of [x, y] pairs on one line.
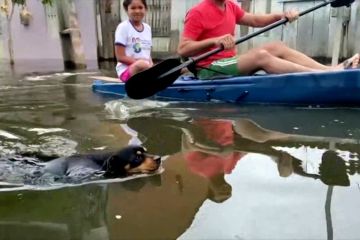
[[225, 175]]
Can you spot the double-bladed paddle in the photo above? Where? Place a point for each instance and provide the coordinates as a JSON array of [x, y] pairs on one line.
[[157, 78]]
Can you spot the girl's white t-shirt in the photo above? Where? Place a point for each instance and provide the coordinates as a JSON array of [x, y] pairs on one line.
[[137, 44]]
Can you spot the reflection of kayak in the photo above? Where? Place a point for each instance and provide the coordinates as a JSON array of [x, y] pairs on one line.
[[330, 88]]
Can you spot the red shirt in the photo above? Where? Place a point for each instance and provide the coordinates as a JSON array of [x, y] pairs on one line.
[[209, 165], [206, 20]]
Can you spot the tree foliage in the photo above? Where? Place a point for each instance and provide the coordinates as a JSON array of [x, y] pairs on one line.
[[49, 2], [19, 2], [23, 2]]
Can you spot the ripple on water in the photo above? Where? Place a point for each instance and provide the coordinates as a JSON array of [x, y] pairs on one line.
[[124, 109], [8, 135], [36, 78], [47, 147]]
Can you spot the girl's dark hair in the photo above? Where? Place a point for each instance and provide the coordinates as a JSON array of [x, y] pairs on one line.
[[126, 4]]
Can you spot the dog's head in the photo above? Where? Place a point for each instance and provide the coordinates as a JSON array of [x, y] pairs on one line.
[[130, 160]]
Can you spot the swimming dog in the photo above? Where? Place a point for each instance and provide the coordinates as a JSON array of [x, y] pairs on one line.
[[129, 160]]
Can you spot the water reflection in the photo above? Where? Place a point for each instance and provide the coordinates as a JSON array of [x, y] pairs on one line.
[[209, 150], [226, 176], [212, 147]]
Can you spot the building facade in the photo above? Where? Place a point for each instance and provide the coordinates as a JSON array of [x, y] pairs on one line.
[[323, 33]]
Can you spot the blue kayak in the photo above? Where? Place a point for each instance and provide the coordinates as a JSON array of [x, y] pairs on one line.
[[340, 88]]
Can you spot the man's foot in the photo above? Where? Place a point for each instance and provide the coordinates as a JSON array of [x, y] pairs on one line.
[[351, 63]]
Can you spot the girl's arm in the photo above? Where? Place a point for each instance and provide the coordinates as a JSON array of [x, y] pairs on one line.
[[121, 56]]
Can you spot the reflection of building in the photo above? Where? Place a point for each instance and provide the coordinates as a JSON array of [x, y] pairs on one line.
[[98, 20]]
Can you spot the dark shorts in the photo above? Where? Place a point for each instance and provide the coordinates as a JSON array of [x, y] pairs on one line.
[[222, 67]]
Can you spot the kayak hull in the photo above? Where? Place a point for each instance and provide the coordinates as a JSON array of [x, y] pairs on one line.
[[329, 88]]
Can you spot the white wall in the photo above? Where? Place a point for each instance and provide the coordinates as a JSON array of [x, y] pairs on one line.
[[87, 22], [34, 41], [41, 39]]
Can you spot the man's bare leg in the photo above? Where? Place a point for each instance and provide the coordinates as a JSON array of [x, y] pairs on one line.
[[278, 58], [279, 49], [260, 59], [248, 129]]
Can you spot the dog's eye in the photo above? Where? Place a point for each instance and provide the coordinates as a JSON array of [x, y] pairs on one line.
[[138, 159]]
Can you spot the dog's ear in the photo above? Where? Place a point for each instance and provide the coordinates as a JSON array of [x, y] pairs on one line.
[[117, 163], [115, 167], [122, 161]]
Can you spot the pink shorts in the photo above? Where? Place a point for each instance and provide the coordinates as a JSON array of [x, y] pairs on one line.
[[125, 75]]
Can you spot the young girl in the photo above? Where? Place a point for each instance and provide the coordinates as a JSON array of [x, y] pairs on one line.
[[133, 41]]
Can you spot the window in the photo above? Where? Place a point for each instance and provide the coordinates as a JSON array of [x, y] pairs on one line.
[[159, 17]]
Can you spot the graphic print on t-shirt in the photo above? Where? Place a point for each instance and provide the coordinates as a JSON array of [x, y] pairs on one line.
[[136, 45]]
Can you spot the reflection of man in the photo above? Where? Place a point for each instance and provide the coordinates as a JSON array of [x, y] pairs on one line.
[[210, 165], [212, 148], [210, 162], [237, 138]]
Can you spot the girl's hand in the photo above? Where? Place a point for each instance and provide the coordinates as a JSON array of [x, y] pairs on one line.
[[227, 41], [144, 59]]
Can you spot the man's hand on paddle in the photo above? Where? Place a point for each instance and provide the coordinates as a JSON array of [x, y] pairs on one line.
[[291, 15], [227, 41]]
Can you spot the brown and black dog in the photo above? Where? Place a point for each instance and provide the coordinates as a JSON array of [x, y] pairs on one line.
[[129, 160]]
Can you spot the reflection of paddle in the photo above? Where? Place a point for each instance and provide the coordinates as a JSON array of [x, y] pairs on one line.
[[162, 75], [333, 170]]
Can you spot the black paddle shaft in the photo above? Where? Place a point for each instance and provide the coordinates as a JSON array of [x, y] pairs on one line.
[[159, 77]]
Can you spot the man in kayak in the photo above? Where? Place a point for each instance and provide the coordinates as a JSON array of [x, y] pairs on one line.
[[211, 23]]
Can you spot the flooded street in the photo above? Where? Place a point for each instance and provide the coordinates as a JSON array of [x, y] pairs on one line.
[[228, 171]]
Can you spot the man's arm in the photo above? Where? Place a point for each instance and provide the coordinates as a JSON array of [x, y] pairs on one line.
[[188, 47], [262, 20]]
